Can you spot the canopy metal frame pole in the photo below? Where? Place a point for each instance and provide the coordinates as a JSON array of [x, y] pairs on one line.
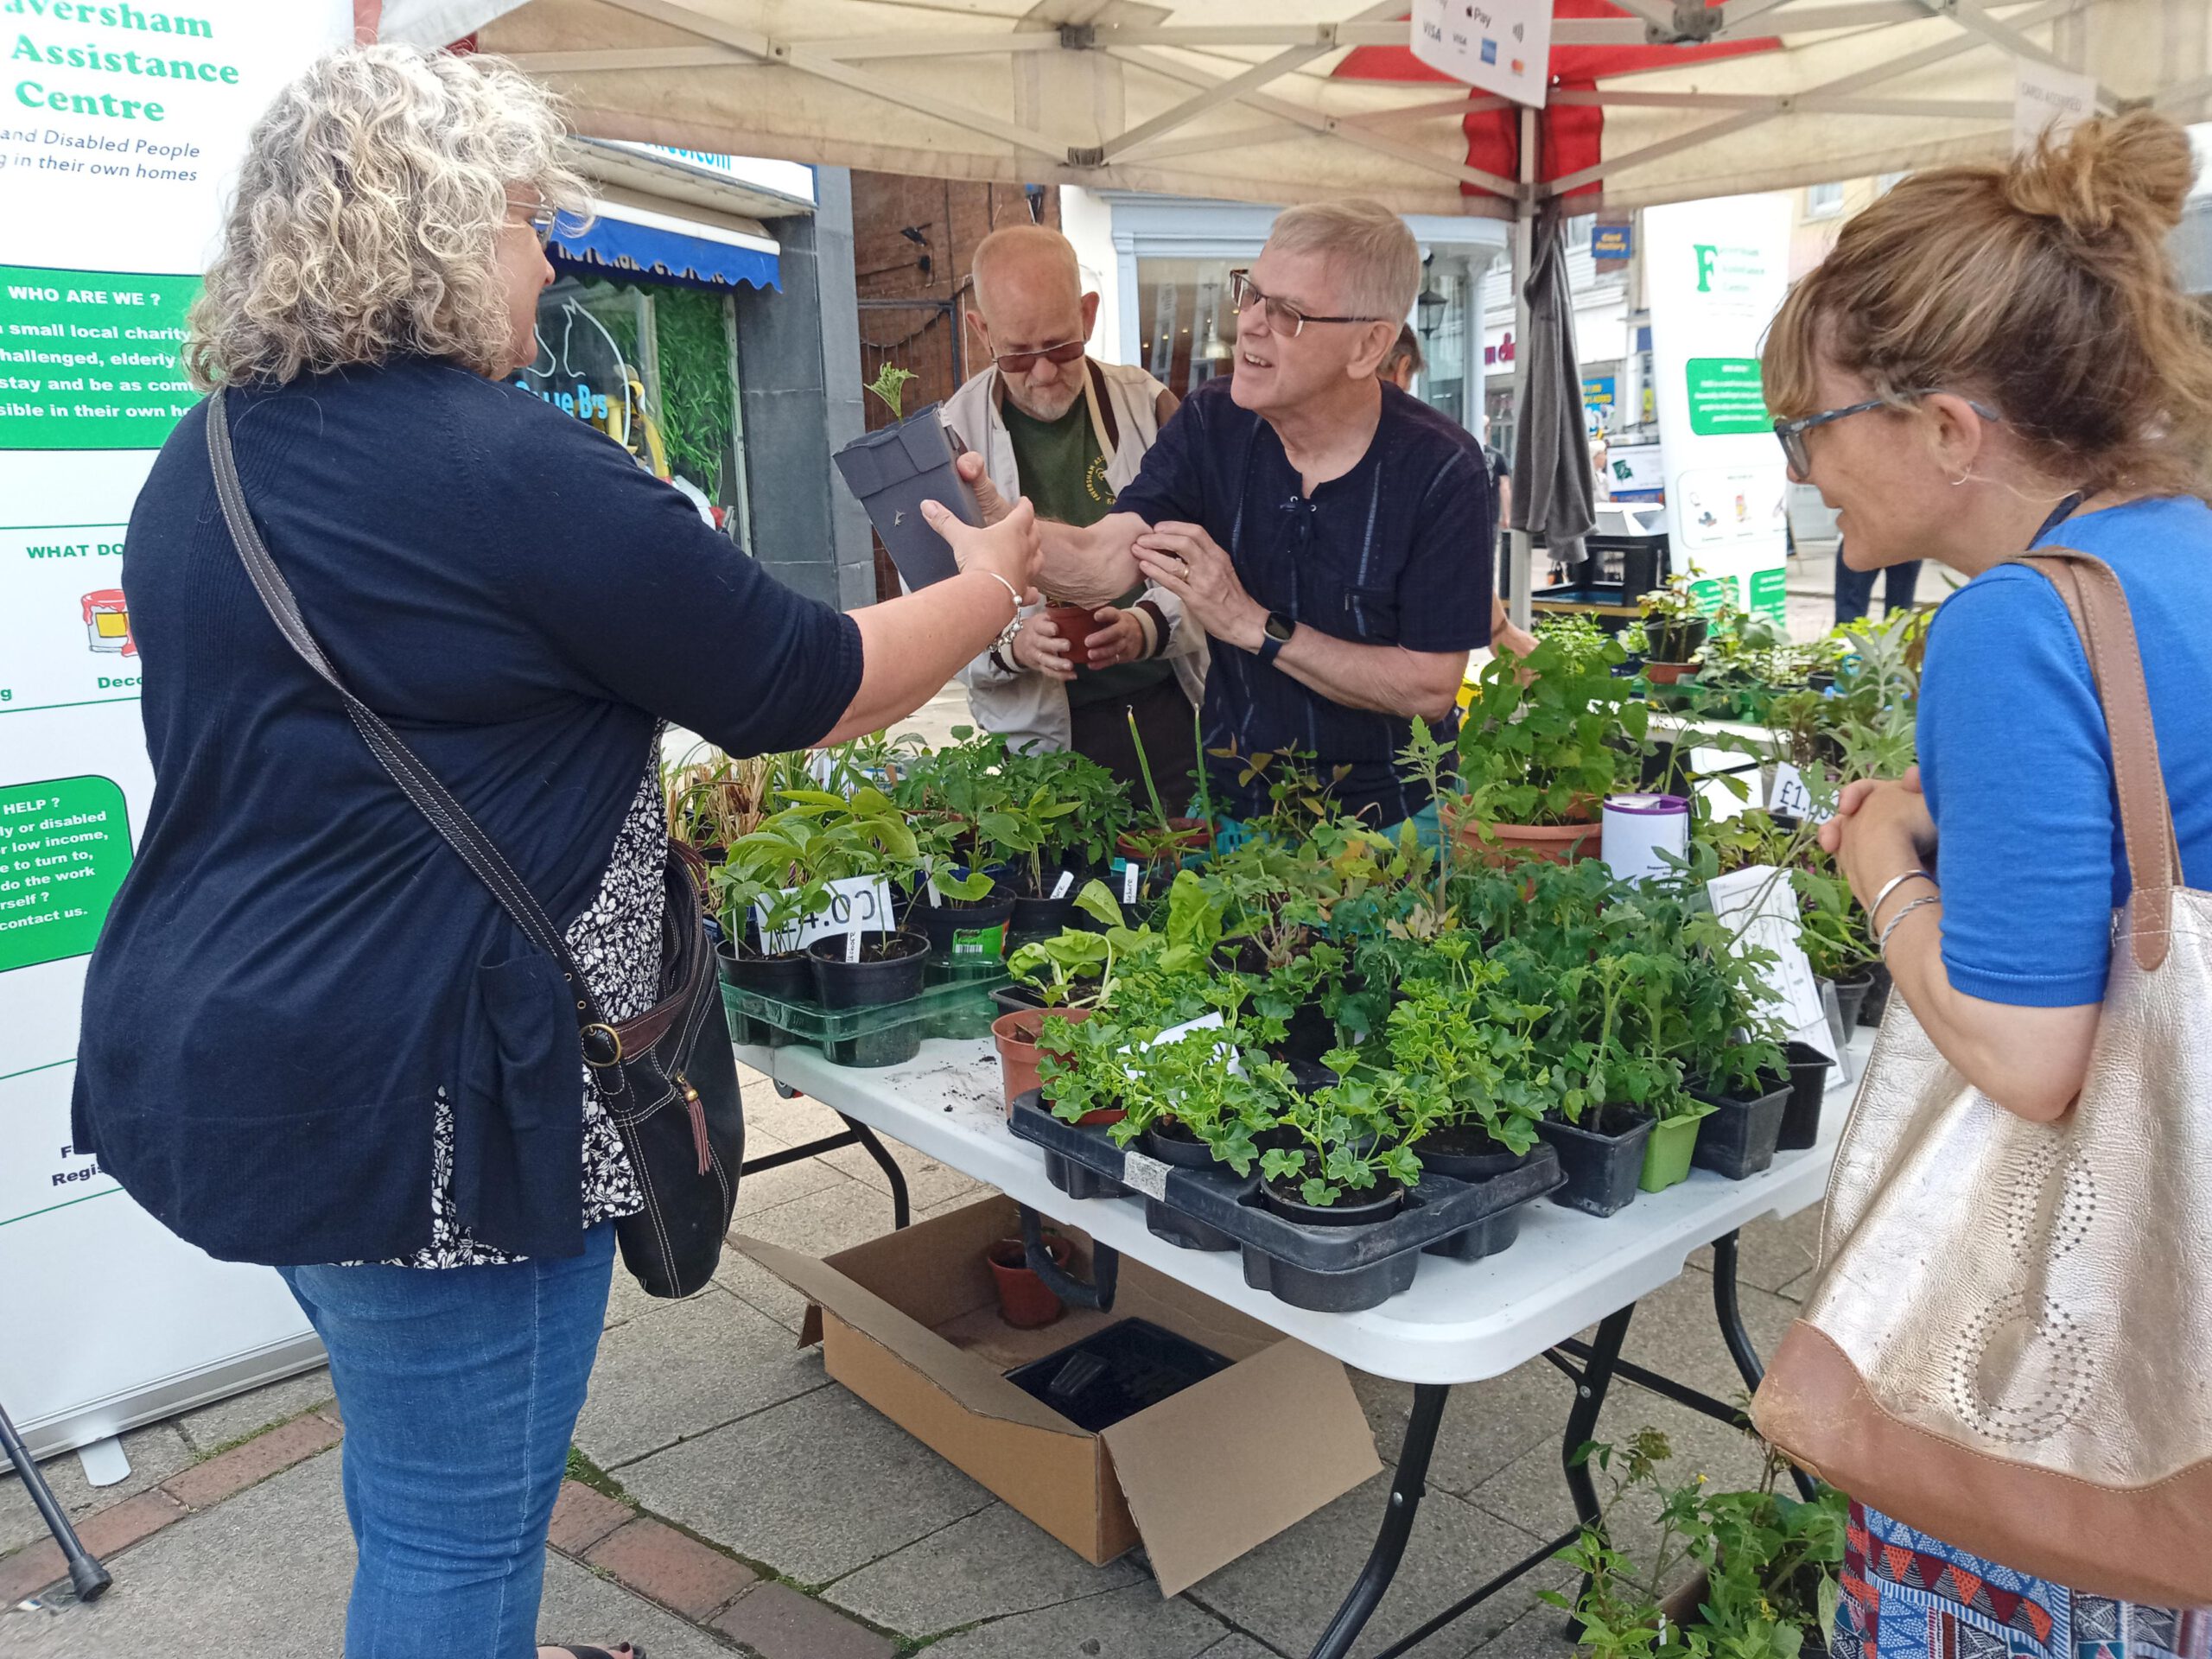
[[1521, 545]]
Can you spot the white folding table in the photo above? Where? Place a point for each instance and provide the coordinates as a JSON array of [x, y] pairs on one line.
[[1460, 1322]]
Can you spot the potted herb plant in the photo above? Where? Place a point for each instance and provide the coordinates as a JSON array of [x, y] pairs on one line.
[[1674, 625], [895, 468], [1546, 739]]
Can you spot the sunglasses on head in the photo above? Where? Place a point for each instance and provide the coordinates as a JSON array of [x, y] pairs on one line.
[[1022, 362]]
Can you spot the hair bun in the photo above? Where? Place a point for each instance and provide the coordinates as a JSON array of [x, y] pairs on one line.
[[2128, 173]]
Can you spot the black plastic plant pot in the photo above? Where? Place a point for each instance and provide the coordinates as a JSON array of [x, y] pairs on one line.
[[1309, 1076], [1043, 919], [1017, 999], [1809, 1088], [958, 931], [1346, 1212], [892, 472], [1603, 1161], [787, 978], [1851, 997], [1878, 995], [1309, 1034], [1739, 1140], [1175, 1146], [1471, 1155], [888, 973], [1675, 642]]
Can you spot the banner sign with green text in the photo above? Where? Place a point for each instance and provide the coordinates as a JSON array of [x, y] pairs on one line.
[[120, 128]]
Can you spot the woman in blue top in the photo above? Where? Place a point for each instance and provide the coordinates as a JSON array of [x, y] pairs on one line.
[[1994, 357], [299, 1044]]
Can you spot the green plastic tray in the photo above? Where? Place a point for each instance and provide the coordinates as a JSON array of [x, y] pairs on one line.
[[955, 1001]]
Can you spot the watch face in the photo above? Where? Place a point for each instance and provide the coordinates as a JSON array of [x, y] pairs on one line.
[[1279, 626]]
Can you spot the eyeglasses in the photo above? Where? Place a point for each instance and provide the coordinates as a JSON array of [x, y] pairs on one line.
[[1283, 317], [1022, 362], [1791, 434], [541, 218]]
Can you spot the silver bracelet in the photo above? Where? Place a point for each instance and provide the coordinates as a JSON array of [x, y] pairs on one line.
[[1012, 592], [1004, 644], [1874, 909], [1883, 948]]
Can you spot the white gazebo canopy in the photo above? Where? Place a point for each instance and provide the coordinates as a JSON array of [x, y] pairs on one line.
[[1270, 100]]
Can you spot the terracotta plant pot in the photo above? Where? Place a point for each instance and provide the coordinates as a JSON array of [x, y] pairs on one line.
[[1556, 843], [1024, 1301], [1075, 626], [1669, 673], [1188, 835], [1015, 1036]]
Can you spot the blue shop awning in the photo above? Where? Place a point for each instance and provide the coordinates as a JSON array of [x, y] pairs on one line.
[[643, 242]]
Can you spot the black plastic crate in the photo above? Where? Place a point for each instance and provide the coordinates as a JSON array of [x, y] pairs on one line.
[[1330, 1270], [1130, 1366]]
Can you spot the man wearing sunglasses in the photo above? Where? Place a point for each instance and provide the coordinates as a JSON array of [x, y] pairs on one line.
[[1056, 425], [1329, 533]]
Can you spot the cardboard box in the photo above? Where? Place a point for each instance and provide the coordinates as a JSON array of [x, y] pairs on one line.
[[909, 1322]]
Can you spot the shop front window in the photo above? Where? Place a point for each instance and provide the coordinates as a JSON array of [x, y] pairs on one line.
[[1187, 328]]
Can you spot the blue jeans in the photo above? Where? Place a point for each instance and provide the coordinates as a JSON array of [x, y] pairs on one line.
[[1854, 589], [459, 1388]]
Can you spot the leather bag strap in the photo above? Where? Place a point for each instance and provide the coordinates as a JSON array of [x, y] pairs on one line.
[[603, 1045], [2098, 604]]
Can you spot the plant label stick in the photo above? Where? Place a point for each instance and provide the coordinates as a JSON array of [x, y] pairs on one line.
[[1060, 887], [1130, 882], [853, 940]]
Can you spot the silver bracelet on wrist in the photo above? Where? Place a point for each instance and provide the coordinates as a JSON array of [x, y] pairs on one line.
[[1874, 909], [1004, 643], [1883, 947]]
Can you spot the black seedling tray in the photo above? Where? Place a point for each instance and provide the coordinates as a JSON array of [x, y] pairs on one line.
[[1329, 1269], [1130, 1366]]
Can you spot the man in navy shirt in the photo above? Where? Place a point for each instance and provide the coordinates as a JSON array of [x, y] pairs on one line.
[[1330, 532]]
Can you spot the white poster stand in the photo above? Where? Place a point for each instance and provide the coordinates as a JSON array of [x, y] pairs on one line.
[[115, 183], [1717, 272]]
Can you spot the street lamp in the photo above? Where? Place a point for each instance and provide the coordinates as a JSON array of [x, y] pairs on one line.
[[1428, 310]]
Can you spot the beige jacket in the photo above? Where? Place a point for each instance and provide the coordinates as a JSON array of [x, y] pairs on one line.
[[1031, 708]]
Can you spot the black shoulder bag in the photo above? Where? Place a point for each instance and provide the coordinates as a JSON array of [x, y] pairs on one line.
[[668, 1078]]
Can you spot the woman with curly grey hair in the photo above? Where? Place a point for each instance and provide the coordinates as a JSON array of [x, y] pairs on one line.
[[298, 1047]]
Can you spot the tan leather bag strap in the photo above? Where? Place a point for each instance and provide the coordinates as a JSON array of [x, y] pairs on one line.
[[2098, 604]]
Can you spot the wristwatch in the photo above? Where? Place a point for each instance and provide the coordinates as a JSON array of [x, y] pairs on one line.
[[1278, 630]]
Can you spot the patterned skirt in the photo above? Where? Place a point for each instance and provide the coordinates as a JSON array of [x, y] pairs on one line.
[[1908, 1595]]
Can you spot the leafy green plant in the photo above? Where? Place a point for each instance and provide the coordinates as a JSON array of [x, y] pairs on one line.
[[1770, 1563], [787, 862], [1549, 736], [1346, 1138], [890, 385]]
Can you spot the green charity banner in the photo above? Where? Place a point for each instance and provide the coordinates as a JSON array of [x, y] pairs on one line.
[[1770, 593], [65, 845], [88, 358], [1726, 397]]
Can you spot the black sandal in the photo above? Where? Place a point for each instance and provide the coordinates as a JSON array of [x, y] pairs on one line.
[[627, 1651]]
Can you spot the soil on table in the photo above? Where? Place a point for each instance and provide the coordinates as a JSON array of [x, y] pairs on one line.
[[1462, 1140]]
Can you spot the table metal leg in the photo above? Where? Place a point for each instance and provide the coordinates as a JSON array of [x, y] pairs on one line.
[[901, 1210], [855, 1135], [1407, 1485], [89, 1576], [1728, 1308], [1105, 1267]]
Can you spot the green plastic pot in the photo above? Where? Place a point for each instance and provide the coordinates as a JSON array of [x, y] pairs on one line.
[[1667, 1153]]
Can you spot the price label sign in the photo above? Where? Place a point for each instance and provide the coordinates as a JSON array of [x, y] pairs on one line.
[[1759, 904], [1792, 796], [858, 904]]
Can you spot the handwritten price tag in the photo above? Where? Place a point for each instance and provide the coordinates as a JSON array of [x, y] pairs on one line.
[[1792, 796], [857, 904]]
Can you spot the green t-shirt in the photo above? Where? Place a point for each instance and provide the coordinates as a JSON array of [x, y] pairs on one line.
[[1064, 475], [1063, 470]]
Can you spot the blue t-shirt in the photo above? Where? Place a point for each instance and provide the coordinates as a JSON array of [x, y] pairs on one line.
[[2018, 767], [297, 964], [1396, 552]]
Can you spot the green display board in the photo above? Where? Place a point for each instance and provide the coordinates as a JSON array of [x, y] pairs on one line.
[[1770, 593], [1728, 397], [64, 847], [88, 358]]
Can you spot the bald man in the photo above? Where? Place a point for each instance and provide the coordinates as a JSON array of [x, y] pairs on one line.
[[1054, 425]]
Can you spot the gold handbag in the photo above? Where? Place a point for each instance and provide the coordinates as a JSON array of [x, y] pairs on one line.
[[2009, 1346]]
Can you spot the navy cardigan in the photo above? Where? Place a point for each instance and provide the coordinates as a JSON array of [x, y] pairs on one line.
[[296, 963]]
